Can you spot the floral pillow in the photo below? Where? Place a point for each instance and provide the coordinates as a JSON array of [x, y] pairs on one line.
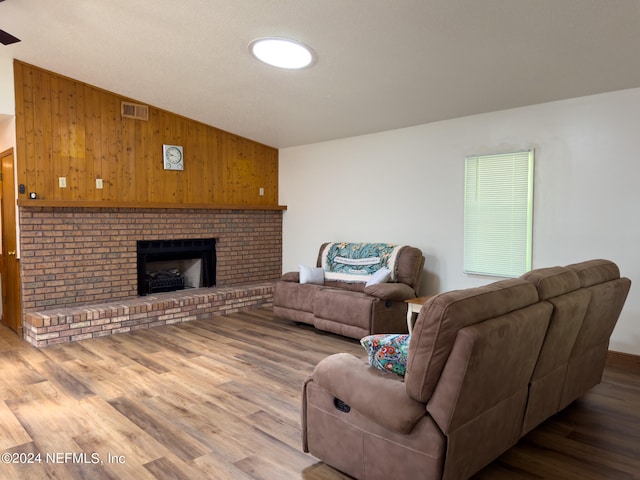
[[387, 352]]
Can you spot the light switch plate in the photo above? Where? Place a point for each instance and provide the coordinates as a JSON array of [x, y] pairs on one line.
[[62, 182]]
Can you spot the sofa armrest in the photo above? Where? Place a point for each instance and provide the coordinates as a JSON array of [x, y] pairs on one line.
[[391, 291], [379, 396], [291, 277]]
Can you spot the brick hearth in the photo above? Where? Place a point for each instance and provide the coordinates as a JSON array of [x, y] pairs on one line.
[[76, 261], [82, 322]]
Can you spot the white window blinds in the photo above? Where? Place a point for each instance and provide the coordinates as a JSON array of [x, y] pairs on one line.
[[498, 214]]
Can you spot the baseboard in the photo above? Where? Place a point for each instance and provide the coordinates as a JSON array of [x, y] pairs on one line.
[[623, 360]]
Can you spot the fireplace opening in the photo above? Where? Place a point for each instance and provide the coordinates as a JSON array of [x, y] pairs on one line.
[[169, 265]]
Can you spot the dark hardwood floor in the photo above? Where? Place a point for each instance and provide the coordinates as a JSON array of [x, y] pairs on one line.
[[220, 399]]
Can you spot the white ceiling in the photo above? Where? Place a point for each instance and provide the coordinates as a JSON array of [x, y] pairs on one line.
[[382, 64]]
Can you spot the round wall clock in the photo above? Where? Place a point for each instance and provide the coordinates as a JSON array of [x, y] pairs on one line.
[[172, 157]]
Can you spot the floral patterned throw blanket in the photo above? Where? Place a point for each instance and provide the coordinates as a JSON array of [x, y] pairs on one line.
[[356, 262]]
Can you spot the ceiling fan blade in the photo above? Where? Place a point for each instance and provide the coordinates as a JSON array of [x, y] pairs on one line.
[[7, 38]]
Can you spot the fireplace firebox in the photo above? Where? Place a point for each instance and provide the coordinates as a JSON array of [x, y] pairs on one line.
[[168, 265]]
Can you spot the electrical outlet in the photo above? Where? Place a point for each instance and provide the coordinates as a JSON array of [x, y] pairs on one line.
[[62, 182], [99, 183], [261, 191]]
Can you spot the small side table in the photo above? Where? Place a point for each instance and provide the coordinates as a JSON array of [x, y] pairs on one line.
[[414, 305]]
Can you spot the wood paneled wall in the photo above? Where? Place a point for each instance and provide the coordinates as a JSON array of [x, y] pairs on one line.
[[66, 128]]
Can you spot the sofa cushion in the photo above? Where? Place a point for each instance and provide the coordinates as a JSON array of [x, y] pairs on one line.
[[387, 352], [553, 282], [597, 271], [345, 307], [409, 266], [346, 286], [357, 384], [295, 296], [441, 318], [547, 381]]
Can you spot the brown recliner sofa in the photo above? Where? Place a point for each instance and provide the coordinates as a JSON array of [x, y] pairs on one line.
[[485, 366], [350, 308]]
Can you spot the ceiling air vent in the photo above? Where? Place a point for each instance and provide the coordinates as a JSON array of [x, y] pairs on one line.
[[134, 110]]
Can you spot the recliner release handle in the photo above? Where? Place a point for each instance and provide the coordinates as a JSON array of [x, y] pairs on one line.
[[340, 405]]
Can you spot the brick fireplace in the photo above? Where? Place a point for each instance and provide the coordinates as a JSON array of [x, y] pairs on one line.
[[77, 260], [175, 264]]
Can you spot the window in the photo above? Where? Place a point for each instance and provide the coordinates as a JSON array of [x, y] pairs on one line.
[[498, 214]]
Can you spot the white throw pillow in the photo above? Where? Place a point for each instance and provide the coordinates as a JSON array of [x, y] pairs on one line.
[[381, 276], [311, 275]]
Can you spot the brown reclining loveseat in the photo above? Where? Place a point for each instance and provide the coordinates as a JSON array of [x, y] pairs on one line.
[[348, 306]]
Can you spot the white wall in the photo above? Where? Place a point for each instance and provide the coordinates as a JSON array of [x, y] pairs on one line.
[[7, 132], [406, 186], [7, 98], [7, 105]]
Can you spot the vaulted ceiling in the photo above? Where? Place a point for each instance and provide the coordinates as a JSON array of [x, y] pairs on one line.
[[381, 64]]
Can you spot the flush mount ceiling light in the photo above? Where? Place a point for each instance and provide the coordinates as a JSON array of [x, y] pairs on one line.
[[282, 52]]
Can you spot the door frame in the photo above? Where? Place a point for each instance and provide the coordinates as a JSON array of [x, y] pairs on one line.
[[9, 262]]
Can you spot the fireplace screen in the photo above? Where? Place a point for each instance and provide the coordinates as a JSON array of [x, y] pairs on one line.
[[168, 265]]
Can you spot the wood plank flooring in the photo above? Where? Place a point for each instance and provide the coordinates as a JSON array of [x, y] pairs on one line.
[[220, 399]]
